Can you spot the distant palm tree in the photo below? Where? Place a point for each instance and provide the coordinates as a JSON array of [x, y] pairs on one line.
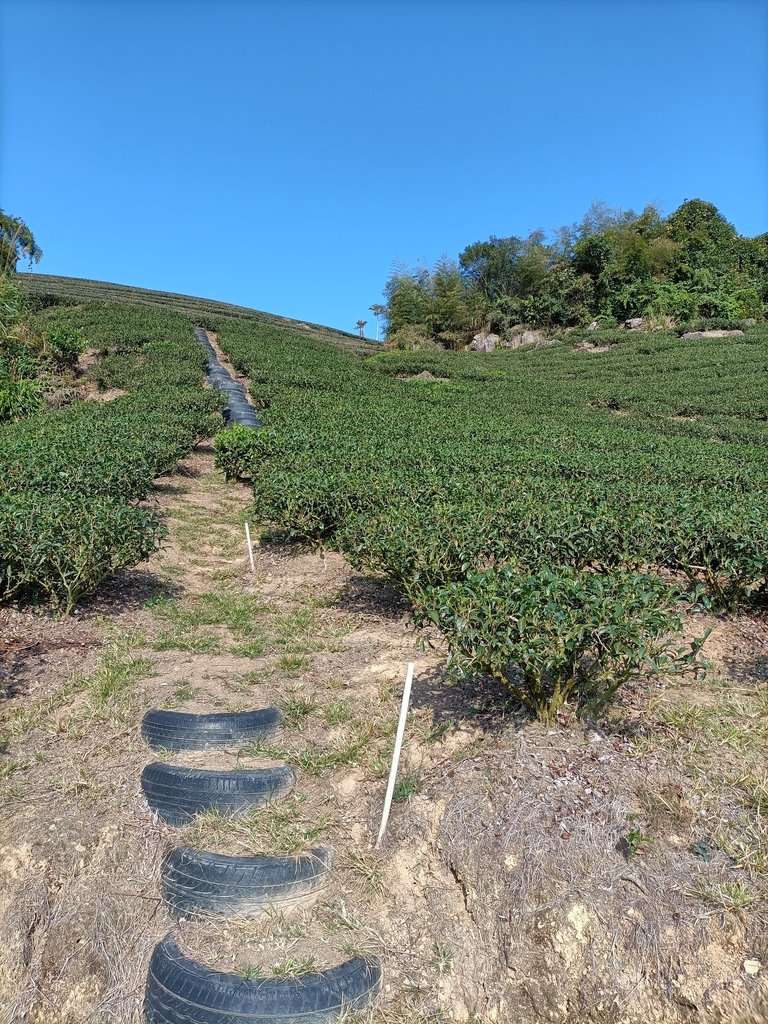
[[378, 310], [360, 327]]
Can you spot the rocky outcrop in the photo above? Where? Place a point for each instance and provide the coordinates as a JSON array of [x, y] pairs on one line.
[[535, 338], [485, 342], [710, 334]]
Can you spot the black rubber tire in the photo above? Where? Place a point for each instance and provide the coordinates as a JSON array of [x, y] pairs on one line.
[[177, 730], [178, 794], [197, 883], [180, 991]]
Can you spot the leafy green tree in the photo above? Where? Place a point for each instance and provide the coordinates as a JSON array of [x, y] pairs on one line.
[[16, 242], [704, 236], [408, 297], [456, 310], [490, 266], [614, 264]]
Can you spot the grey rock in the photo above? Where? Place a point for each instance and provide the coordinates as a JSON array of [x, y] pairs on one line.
[[484, 342], [587, 346], [635, 323], [594, 326], [711, 334]]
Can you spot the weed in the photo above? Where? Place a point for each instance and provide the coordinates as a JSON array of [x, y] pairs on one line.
[[334, 683], [252, 678], [295, 630], [725, 896], [251, 649], [442, 959], [9, 768], [634, 843], [283, 827], [293, 664], [182, 691], [291, 966], [473, 749], [179, 640], [296, 709], [337, 712], [408, 786], [284, 927], [248, 972], [238, 612], [369, 869], [378, 765], [116, 673]]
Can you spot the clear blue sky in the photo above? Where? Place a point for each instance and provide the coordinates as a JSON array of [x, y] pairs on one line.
[[283, 154]]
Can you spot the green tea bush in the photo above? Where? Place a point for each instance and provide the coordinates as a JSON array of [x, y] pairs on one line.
[[64, 344], [235, 451], [619, 461], [60, 550], [71, 476], [559, 634]]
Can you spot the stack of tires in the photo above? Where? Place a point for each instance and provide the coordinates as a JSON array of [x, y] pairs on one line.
[[199, 884]]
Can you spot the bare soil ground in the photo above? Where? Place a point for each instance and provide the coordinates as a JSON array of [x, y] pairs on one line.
[[525, 871]]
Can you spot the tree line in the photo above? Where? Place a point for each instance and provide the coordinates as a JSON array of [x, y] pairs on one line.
[[611, 266]]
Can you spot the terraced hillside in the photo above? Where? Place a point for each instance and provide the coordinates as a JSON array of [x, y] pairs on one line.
[[630, 473], [579, 830], [52, 288]]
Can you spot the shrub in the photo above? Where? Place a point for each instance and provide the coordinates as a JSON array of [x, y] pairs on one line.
[[20, 398], [235, 450], [558, 634], [64, 344], [411, 338], [58, 548]]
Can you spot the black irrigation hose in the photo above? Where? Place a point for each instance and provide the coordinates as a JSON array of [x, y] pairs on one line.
[[238, 409]]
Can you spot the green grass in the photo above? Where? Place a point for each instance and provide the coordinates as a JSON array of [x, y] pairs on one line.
[[240, 613], [337, 712], [283, 827], [296, 709], [408, 786], [292, 664], [730, 897], [179, 640], [290, 967]]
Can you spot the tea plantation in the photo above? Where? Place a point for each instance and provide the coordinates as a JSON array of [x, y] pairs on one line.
[[549, 509], [72, 476], [556, 512]]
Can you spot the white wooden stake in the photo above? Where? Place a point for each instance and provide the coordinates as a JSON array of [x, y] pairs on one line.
[[396, 753], [250, 547]]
